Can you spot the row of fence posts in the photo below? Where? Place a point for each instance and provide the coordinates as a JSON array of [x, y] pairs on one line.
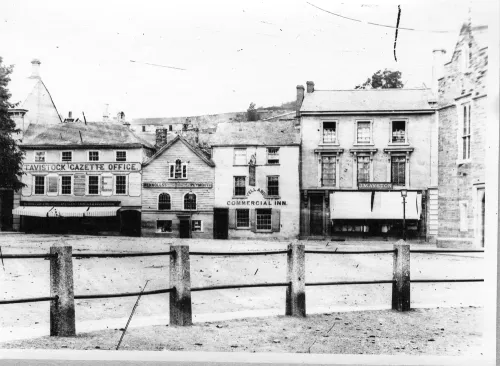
[[62, 309]]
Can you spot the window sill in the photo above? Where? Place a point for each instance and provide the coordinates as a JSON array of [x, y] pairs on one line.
[[273, 197], [362, 144], [242, 228], [263, 231], [328, 144], [399, 144], [273, 164], [462, 162], [177, 178], [240, 164], [239, 197]]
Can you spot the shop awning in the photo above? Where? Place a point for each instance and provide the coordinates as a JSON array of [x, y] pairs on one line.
[[389, 205], [37, 211], [102, 211], [350, 205], [71, 211]]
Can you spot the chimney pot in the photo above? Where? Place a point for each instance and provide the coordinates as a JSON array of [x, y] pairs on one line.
[[35, 68], [310, 87]]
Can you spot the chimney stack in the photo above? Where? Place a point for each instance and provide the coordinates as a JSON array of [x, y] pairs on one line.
[[35, 69], [105, 114], [310, 87], [300, 98], [70, 114], [161, 137], [437, 70]]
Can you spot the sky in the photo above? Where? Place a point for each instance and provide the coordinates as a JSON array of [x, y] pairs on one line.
[[232, 52]]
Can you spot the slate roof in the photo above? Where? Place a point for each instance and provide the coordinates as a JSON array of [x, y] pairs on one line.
[[92, 134], [261, 133], [365, 100], [194, 149]]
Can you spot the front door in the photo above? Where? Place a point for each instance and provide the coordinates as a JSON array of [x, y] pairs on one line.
[[221, 223], [316, 218], [184, 228]]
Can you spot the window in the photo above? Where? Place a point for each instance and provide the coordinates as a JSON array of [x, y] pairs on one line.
[[39, 156], [39, 184], [178, 170], [273, 155], [121, 184], [164, 201], [196, 225], [163, 226], [328, 171], [66, 184], [239, 186], [67, 156], [93, 187], [466, 131], [121, 156], [243, 219], [398, 170], [143, 128], [273, 185], [93, 155], [363, 132], [170, 127], [363, 169], [463, 215], [330, 132], [398, 132], [190, 201], [240, 156], [264, 219]]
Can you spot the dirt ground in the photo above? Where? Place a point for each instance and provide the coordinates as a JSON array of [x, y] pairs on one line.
[[421, 331]]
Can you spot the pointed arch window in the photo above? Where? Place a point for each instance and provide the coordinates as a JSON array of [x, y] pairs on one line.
[[164, 202]]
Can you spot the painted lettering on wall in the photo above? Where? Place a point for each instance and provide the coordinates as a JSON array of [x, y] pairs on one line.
[[71, 167], [177, 185], [252, 190], [256, 203]]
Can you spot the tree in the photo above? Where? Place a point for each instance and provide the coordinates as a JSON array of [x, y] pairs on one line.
[[252, 114], [386, 79], [11, 157]]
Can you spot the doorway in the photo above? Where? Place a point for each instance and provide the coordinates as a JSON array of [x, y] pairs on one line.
[[316, 215], [221, 223], [130, 223], [184, 228]]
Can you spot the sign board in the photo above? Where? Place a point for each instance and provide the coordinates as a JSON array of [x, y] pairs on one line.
[[79, 189], [75, 167], [378, 186], [71, 204], [177, 185], [107, 185]]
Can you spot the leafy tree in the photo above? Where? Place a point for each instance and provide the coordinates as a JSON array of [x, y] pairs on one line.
[[11, 157], [252, 114], [386, 79]]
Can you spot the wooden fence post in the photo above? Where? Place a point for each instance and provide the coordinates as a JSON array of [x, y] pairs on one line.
[[296, 276], [62, 310], [180, 282], [401, 275]]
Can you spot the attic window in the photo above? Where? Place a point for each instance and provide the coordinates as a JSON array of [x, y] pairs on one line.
[[93, 155], [39, 156], [178, 170]]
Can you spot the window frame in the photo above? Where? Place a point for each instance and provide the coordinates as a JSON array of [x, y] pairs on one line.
[[406, 140], [66, 151], [171, 173], [405, 158], [321, 180], [465, 115], [44, 156], [61, 177], [120, 151], [369, 168], [257, 220], [267, 185], [184, 202], [234, 155], [236, 218], [98, 185], [234, 185], [98, 155], [115, 185], [164, 232], [356, 124], [275, 155], [201, 226], [158, 202], [336, 142], [44, 185]]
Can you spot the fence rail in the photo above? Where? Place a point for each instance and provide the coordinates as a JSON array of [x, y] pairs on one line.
[[31, 299], [349, 251], [449, 280], [240, 253], [28, 256], [123, 294], [246, 285], [119, 255], [336, 283], [447, 251]]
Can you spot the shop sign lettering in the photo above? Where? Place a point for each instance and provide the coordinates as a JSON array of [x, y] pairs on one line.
[[256, 203], [92, 167], [375, 185], [177, 185]]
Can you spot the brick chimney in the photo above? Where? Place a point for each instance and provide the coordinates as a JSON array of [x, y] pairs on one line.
[[161, 137], [300, 98], [310, 87], [437, 70], [35, 69]]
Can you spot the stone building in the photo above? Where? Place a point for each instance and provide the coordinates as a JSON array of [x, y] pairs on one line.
[[256, 180], [178, 192], [462, 139], [359, 150]]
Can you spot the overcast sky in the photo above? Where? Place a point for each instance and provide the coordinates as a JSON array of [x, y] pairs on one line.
[[233, 52]]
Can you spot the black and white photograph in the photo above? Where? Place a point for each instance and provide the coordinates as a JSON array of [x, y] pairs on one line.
[[249, 181]]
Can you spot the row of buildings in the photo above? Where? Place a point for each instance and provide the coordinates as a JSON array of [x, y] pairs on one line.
[[338, 168]]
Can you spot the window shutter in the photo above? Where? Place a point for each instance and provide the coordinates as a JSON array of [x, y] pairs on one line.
[[232, 218], [253, 221], [275, 220], [28, 180]]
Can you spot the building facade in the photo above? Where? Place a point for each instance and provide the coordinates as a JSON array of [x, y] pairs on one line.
[[462, 139], [81, 177], [178, 192], [256, 180], [359, 150]]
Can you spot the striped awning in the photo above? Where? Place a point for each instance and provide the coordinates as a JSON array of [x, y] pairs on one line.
[[37, 211], [71, 211], [102, 211]]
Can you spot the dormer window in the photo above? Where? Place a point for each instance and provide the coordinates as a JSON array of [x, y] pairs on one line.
[[178, 170]]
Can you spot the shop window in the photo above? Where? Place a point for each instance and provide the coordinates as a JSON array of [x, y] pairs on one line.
[[328, 171], [239, 186], [273, 186], [243, 218], [363, 168], [164, 201], [263, 219], [163, 226], [93, 184], [398, 170], [240, 157], [67, 156], [39, 156], [273, 155], [93, 155], [363, 132], [398, 132], [39, 184], [466, 131], [196, 225], [178, 170], [463, 215], [121, 184], [330, 132], [189, 201], [121, 156], [66, 185]]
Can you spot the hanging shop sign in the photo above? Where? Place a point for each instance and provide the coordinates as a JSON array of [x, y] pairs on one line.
[[380, 186], [74, 167], [177, 185]]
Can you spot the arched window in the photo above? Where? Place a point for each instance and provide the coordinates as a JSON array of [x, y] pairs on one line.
[[164, 201], [190, 201]]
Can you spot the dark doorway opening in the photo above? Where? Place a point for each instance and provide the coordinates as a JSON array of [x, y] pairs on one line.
[[184, 228], [221, 223], [316, 215], [130, 223], [6, 206]]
